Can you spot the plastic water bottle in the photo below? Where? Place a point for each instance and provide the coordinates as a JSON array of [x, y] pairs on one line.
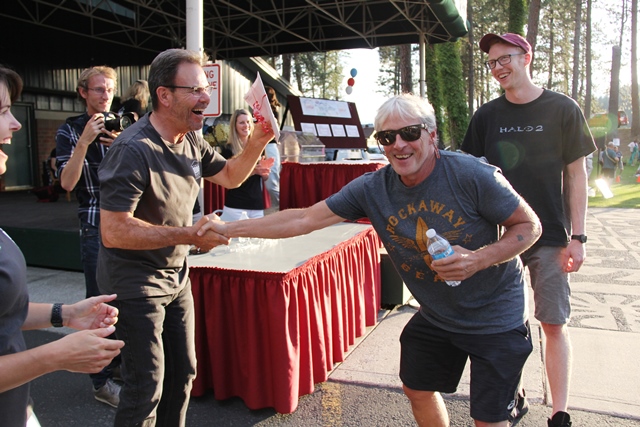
[[243, 240], [439, 248]]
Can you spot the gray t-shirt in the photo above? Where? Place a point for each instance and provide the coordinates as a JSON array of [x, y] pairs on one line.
[[463, 199], [14, 307], [158, 182]]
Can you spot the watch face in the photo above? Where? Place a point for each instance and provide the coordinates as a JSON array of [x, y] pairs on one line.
[[581, 237]]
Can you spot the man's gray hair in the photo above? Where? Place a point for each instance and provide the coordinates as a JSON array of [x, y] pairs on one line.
[[406, 107]]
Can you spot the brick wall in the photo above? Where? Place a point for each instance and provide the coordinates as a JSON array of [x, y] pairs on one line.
[[46, 136]]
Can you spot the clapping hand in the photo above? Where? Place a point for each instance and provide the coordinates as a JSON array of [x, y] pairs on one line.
[[264, 167], [86, 351], [91, 313]]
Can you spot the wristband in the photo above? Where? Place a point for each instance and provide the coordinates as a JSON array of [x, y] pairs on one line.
[[56, 315]]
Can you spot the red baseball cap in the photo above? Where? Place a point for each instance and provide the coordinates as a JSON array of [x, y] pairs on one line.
[[515, 39]]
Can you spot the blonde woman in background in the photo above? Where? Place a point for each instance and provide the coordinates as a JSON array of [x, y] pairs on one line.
[[248, 197], [136, 99]]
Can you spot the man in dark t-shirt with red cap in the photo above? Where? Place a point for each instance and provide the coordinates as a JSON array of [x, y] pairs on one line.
[[539, 139]]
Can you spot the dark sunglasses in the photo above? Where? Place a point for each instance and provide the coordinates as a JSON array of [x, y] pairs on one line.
[[407, 133]]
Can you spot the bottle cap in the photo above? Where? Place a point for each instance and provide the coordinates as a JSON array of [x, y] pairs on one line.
[[431, 233]]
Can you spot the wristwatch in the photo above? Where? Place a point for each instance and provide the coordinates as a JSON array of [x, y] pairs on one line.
[[56, 315], [581, 237]]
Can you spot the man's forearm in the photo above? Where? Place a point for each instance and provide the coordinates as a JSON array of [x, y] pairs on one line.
[[522, 230], [73, 169], [135, 234], [577, 183], [513, 242]]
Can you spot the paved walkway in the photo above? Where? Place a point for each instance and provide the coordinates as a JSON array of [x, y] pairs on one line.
[[365, 389]]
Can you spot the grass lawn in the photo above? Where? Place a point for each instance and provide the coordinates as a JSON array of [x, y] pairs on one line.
[[626, 193]]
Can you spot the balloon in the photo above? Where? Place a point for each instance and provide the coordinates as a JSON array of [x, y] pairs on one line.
[[351, 82], [354, 72], [349, 89]]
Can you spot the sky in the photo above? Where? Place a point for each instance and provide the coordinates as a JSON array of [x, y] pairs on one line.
[[364, 95], [367, 64]]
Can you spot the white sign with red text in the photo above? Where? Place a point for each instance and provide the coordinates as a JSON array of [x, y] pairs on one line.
[[213, 77]]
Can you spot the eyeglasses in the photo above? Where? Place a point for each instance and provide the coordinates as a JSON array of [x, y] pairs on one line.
[[100, 90], [503, 60], [194, 90], [407, 133]]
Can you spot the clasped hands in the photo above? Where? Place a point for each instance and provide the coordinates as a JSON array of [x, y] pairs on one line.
[[210, 231]]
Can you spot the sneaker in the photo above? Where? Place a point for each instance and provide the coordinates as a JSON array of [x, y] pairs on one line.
[[559, 419], [520, 410], [109, 393]]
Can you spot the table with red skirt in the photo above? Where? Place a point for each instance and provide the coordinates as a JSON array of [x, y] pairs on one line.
[[213, 196], [304, 184], [274, 316]]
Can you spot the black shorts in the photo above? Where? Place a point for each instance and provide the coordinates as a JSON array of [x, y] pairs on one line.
[[433, 359]]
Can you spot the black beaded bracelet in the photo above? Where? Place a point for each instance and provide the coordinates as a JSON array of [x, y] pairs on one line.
[[56, 315]]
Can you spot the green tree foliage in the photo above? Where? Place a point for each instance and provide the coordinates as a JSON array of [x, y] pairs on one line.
[[517, 16], [489, 16], [389, 77], [318, 74], [396, 70], [434, 92], [450, 66]]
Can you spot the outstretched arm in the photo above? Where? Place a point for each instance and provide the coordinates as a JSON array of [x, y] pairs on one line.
[[122, 230], [85, 352], [287, 223]]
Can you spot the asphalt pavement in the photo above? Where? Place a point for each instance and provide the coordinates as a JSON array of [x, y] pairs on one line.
[[364, 390]]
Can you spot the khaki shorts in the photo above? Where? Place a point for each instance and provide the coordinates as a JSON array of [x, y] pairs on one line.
[[550, 284]]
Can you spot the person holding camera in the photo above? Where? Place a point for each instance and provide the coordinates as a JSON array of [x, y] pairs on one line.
[[81, 144]]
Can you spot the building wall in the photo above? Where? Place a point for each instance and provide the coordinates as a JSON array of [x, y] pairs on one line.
[[53, 96]]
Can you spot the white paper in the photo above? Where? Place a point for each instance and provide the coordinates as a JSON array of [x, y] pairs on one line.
[[308, 128], [325, 108], [323, 129], [338, 130], [257, 99], [352, 131]]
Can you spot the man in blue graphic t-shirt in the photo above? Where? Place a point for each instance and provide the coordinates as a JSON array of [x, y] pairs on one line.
[[464, 200]]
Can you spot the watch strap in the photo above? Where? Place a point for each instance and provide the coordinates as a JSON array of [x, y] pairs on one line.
[[56, 315], [581, 237]]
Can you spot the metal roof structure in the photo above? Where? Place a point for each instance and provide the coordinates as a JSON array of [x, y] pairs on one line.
[[78, 33]]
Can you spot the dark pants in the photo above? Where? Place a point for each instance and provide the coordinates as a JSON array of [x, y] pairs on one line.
[[89, 246], [159, 359]]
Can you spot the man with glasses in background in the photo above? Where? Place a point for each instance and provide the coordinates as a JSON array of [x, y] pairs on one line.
[[464, 200], [149, 184], [539, 139], [81, 144]]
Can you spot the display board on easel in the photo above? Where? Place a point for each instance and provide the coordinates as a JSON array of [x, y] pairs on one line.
[[335, 123]]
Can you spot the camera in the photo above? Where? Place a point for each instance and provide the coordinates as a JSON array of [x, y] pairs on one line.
[[118, 122]]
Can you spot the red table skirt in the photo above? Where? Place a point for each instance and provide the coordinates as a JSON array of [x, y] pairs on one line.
[[304, 184], [213, 197], [269, 337]]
